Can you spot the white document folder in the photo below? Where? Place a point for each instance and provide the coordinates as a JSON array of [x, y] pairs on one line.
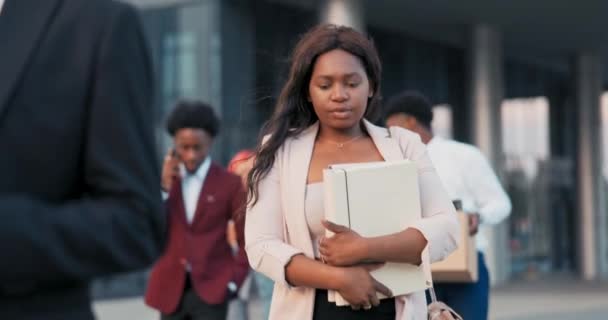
[[376, 199]]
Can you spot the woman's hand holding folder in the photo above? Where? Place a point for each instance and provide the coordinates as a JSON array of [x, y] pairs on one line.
[[359, 288], [348, 250], [344, 248], [355, 284]]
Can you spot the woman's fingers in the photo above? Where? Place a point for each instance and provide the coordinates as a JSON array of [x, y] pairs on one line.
[[374, 300], [382, 288], [323, 251]]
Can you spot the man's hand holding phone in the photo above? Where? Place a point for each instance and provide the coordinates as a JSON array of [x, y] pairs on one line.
[[170, 170]]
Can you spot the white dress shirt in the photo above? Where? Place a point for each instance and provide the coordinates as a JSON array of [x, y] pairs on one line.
[[1, 5], [467, 176], [192, 184]]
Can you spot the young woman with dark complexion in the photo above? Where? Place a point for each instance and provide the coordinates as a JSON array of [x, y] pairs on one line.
[[332, 88]]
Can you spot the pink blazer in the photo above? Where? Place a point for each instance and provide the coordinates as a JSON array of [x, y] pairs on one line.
[[276, 228]]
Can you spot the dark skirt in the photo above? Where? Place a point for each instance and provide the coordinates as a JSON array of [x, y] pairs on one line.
[[325, 310]]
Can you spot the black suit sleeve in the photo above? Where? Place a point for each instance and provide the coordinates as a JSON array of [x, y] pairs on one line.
[[116, 224]]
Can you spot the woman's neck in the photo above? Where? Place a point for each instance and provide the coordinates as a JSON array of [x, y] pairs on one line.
[[338, 135]]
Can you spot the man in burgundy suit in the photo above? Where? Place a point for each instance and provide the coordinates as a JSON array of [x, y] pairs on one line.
[[198, 272]]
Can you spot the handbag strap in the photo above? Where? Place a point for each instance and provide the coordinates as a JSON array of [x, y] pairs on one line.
[[435, 308]]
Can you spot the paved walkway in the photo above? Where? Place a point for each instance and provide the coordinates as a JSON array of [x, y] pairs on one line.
[[124, 309], [555, 299]]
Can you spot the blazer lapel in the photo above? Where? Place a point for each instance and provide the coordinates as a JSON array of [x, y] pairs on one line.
[[176, 201], [387, 145], [22, 23], [300, 153], [208, 194]]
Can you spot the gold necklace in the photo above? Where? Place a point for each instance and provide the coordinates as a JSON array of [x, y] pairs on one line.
[[340, 145]]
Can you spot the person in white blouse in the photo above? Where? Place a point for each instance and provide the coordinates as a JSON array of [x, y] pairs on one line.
[[468, 177], [321, 118]]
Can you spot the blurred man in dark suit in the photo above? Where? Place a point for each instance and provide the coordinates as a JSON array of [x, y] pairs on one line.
[[78, 179]]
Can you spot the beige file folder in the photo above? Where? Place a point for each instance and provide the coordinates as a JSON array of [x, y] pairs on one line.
[[461, 265], [375, 199]]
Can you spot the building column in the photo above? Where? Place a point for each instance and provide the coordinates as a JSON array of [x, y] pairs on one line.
[[237, 78], [591, 216], [343, 12], [485, 95]]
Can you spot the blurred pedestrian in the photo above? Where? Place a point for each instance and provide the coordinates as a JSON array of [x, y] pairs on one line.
[[198, 274], [468, 177], [254, 296]]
